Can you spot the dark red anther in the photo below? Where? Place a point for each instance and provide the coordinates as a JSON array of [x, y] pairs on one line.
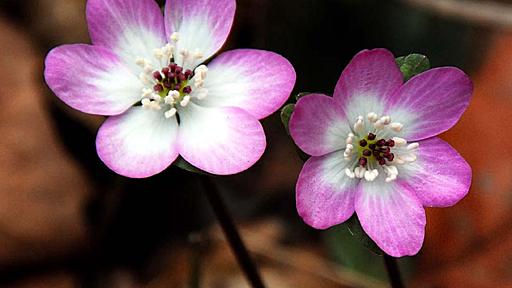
[[382, 161], [372, 146], [187, 90], [390, 156], [157, 75], [363, 143], [367, 152], [188, 73], [385, 150], [171, 75], [166, 70], [158, 88], [381, 142], [182, 77], [168, 84], [173, 66], [363, 161], [376, 153], [371, 136], [178, 70], [390, 143]]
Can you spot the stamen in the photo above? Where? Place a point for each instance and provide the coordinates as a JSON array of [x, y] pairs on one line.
[[371, 175], [359, 171], [413, 146], [170, 113], [372, 116], [359, 125], [175, 37], [349, 173], [395, 126], [399, 141], [185, 101], [159, 54], [141, 61]]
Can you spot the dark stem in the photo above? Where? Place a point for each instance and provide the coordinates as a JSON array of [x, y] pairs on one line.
[[231, 233], [393, 272]]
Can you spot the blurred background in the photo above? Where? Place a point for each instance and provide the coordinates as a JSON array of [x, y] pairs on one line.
[[67, 221]]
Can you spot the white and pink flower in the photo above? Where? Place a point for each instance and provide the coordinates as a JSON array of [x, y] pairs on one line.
[[145, 72], [374, 150]]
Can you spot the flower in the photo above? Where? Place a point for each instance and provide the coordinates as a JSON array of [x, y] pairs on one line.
[[374, 150], [145, 72]]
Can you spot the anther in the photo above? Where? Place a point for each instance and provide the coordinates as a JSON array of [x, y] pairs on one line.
[[185, 101], [170, 113], [381, 142], [372, 117], [367, 153], [371, 136], [157, 75], [363, 161], [397, 127], [390, 143], [349, 173], [158, 88], [363, 143], [385, 120], [359, 125], [175, 37], [413, 146], [187, 90], [359, 171], [399, 141]]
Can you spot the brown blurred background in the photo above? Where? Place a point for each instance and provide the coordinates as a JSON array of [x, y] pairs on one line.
[[67, 221]]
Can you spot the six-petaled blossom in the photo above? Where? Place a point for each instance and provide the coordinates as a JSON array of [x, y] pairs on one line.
[[374, 150], [145, 71]]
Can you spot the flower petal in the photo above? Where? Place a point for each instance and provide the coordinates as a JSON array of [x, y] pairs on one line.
[[139, 143], [440, 177], [392, 216], [366, 82], [220, 141], [257, 81], [203, 25], [431, 102], [324, 193], [91, 79], [318, 126], [130, 28]]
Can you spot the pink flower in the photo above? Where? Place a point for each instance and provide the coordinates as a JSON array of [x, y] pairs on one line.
[[374, 150], [145, 71]]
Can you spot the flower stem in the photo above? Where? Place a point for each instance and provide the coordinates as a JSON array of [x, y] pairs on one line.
[[231, 232], [393, 272]]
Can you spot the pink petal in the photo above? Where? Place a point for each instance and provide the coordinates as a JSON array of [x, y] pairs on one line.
[[139, 143], [431, 102], [440, 177], [392, 216], [257, 81], [366, 82], [91, 79], [220, 141], [318, 125], [130, 28], [203, 25], [324, 193]]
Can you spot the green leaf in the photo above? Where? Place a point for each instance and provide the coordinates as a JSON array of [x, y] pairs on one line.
[[412, 64], [301, 94], [345, 249], [286, 113], [354, 226], [183, 164]]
